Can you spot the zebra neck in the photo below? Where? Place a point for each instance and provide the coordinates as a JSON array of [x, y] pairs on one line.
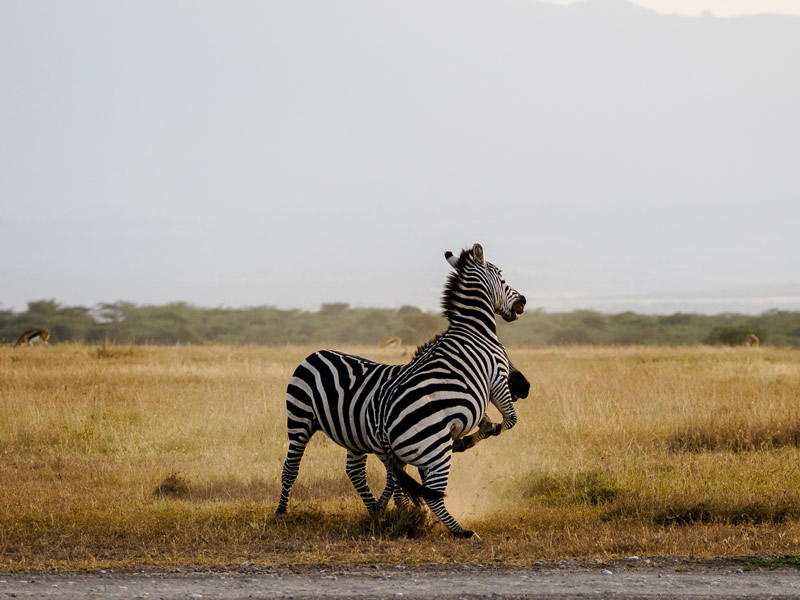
[[478, 322], [466, 305]]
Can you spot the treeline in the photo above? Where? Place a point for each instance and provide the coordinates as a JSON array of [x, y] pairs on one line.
[[339, 324], [181, 323], [773, 327]]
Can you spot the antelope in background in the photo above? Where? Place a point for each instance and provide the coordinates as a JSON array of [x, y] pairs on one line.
[[391, 342], [33, 337]]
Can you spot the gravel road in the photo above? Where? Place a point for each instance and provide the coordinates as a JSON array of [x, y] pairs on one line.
[[661, 579]]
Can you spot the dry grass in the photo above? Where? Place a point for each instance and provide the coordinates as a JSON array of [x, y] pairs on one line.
[[145, 456]]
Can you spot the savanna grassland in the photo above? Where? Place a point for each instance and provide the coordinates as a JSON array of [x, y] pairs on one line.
[[171, 456]]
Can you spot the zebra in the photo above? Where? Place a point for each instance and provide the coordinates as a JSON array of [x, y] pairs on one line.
[[446, 389], [330, 392]]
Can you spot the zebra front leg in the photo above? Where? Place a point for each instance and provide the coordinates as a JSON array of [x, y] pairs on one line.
[[500, 396], [516, 386], [357, 472], [291, 467], [485, 429]]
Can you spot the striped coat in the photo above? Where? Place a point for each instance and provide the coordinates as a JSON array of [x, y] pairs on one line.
[[446, 390]]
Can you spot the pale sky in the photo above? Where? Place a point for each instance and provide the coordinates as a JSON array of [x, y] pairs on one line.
[[249, 153], [719, 8]]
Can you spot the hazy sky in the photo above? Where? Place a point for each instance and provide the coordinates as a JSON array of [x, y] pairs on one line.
[[294, 153], [721, 8]]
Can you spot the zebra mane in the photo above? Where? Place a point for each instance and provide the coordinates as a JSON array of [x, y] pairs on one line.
[[451, 287], [423, 348]]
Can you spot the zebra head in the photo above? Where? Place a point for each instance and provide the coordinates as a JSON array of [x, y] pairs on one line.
[[476, 280]]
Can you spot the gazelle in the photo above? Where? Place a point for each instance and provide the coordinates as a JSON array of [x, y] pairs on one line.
[[391, 342], [33, 337], [751, 339]]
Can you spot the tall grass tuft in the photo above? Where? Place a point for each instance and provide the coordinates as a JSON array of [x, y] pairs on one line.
[[407, 521], [738, 435], [592, 487], [173, 486]]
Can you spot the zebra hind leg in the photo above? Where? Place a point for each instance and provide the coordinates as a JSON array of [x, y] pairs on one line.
[[357, 472], [298, 440], [436, 479], [390, 489]]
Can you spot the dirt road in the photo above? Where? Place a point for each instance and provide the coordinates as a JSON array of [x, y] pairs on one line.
[[623, 579]]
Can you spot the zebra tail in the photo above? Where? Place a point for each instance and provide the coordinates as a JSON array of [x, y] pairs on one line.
[[413, 488], [410, 486]]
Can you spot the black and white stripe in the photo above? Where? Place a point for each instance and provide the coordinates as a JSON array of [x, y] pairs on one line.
[[330, 392], [445, 391]]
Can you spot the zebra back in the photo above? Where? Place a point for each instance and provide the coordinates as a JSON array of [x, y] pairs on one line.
[[331, 391]]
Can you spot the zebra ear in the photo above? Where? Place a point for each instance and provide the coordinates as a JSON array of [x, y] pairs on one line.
[[477, 252], [451, 258]]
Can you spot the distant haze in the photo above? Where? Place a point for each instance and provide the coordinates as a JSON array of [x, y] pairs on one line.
[[607, 156], [719, 8]]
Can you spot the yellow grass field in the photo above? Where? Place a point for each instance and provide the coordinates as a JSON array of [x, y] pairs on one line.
[[171, 456]]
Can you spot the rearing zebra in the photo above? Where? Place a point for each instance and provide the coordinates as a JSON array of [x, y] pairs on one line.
[[445, 391], [331, 392]]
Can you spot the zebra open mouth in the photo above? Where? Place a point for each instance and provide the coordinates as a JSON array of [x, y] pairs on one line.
[[518, 307], [516, 310]]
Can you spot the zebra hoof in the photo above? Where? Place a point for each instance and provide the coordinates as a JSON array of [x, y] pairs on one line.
[[469, 534]]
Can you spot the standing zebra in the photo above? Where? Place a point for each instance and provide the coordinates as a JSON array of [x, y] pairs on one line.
[[330, 392], [445, 391]]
